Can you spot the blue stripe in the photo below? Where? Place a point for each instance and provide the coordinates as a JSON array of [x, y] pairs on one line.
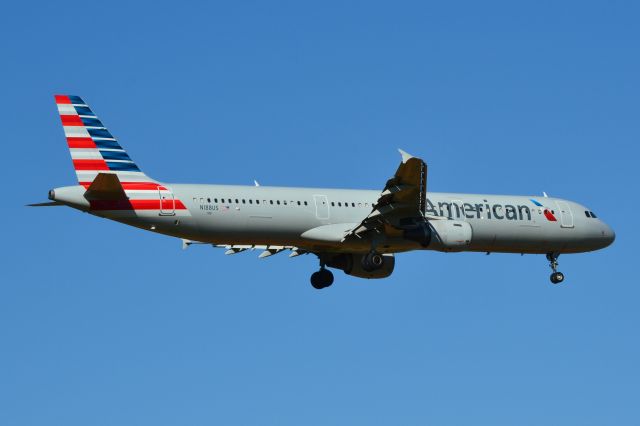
[[91, 122], [100, 133], [115, 155], [125, 167], [101, 143], [83, 110], [536, 203], [76, 100]]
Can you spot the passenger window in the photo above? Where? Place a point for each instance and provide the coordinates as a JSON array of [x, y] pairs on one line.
[[195, 200], [208, 200], [257, 201], [333, 204], [284, 202], [201, 200], [298, 202], [339, 204], [222, 200], [244, 201], [250, 201], [278, 201], [215, 200], [237, 201], [305, 203], [359, 204], [271, 202], [353, 204]]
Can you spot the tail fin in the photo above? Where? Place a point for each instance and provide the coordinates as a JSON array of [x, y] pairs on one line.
[[93, 149]]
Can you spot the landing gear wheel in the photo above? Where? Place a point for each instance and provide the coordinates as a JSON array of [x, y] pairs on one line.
[[372, 261], [321, 279], [557, 277]]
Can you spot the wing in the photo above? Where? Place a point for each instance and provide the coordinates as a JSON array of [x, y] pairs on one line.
[[401, 203]]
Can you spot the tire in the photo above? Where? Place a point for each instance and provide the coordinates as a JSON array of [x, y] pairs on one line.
[[316, 280], [327, 277], [321, 279], [557, 277]]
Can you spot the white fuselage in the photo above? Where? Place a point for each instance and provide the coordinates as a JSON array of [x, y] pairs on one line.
[[279, 216]]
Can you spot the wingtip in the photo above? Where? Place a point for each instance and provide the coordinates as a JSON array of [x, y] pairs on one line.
[[405, 155]]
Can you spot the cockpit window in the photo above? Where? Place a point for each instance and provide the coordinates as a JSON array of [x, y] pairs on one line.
[[593, 215], [587, 214]]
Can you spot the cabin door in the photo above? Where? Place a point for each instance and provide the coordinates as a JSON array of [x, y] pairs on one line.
[[167, 202], [322, 206], [566, 215]]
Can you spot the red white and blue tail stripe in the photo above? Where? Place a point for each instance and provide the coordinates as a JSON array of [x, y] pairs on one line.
[[93, 148], [95, 151]]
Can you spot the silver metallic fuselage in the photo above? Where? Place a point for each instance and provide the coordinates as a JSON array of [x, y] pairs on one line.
[[260, 215]]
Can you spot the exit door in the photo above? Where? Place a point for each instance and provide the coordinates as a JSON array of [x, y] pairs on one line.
[[566, 215], [167, 202], [322, 206]]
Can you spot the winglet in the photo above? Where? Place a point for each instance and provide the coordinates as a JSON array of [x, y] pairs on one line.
[[405, 156]]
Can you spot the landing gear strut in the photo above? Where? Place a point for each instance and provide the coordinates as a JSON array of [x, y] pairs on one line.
[[556, 277], [322, 278]]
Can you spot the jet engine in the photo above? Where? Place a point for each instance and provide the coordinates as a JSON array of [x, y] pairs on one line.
[[353, 264], [443, 235]]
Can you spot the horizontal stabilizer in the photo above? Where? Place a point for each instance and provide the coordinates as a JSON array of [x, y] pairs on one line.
[[47, 204], [105, 186]]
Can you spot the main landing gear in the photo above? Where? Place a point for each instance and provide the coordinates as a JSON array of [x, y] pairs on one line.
[[322, 278], [556, 277]]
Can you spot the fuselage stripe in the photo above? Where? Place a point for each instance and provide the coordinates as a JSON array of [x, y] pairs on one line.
[[137, 205]]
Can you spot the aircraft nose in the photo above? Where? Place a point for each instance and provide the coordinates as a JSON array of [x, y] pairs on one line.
[[608, 235]]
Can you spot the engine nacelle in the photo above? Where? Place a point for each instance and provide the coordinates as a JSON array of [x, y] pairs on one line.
[[352, 264], [443, 235]]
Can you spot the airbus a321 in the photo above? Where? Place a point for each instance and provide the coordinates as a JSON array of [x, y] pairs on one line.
[[356, 231]]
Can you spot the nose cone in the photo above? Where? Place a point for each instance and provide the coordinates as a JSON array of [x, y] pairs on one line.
[[608, 235]]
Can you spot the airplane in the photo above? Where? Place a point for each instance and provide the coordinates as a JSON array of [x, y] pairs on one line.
[[356, 231]]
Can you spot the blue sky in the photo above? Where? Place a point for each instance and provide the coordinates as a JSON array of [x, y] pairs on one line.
[[102, 324]]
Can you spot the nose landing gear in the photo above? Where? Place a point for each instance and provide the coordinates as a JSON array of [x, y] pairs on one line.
[[322, 278], [556, 277]]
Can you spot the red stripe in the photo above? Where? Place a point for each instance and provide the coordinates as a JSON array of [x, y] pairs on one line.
[[71, 120], [81, 143], [134, 205], [134, 186], [62, 99], [90, 165]]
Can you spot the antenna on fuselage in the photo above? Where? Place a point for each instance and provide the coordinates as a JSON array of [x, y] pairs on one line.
[[256, 182], [545, 194]]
